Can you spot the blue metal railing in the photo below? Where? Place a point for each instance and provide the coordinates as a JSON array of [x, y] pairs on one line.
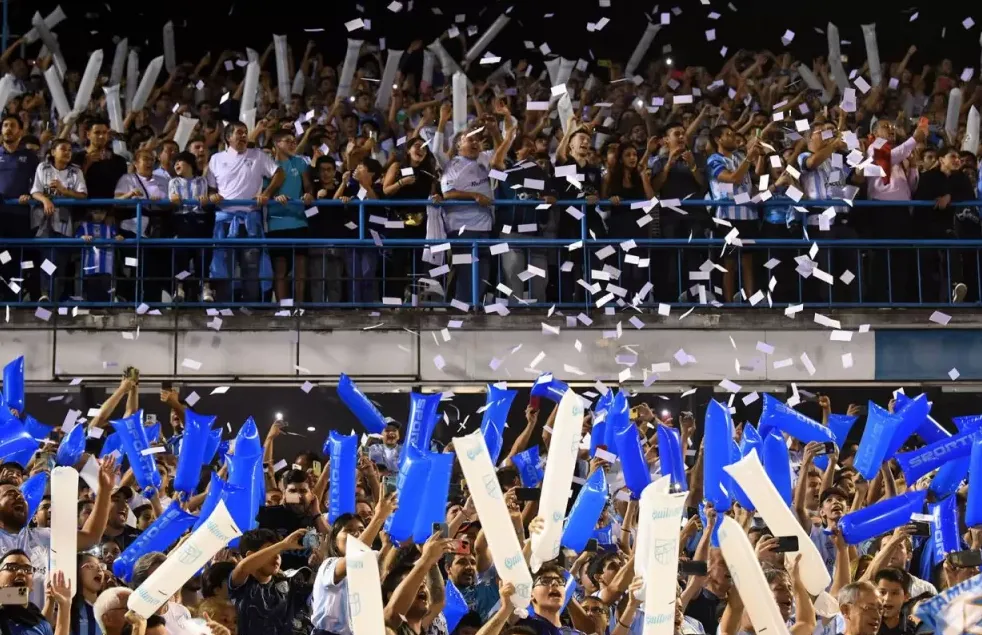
[[873, 263]]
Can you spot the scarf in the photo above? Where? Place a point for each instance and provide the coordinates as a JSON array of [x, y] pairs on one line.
[[881, 157]]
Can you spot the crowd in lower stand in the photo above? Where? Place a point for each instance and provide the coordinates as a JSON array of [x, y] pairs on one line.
[[596, 518]]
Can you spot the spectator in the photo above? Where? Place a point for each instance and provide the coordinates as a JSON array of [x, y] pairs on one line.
[[18, 165], [267, 601], [414, 176], [362, 262], [678, 174], [530, 179], [98, 261], [860, 607], [466, 178], [191, 220], [945, 184], [90, 577], [729, 177], [628, 182], [286, 218], [237, 174], [153, 265], [326, 264], [55, 178], [16, 571], [109, 610]]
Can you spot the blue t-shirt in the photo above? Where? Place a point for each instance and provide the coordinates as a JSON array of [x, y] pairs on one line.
[[290, 215]]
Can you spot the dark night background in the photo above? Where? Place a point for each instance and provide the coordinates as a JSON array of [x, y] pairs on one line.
[[756, 25], [322, 410]]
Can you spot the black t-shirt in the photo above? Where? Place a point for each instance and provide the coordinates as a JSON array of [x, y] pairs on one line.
[[278, 607], [125, 537], [283, 521], [904, 627], [704, 608], [569, 227]]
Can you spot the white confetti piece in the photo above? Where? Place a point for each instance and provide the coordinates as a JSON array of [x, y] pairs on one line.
[[751, 398], [954, 374], [190, 363], [729, 386], [940, 318], [847, 360], [192, 399], [220, 390], [307, 387], [808, 363]]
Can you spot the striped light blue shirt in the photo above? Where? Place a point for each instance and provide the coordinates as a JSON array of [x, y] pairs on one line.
[[96, 259], [716, 165], [824, 182], [188, 189]]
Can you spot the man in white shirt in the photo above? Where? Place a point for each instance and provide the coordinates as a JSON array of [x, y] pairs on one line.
[[237, 174]]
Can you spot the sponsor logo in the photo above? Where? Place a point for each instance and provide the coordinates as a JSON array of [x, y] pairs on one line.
[[665, 550], [354, 602], [511, 563], [659, 618]]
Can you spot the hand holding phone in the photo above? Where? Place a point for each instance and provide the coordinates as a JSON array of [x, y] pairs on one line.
[[786, 544]]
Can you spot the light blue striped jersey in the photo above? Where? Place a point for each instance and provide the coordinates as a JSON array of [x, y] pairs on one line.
[[716, 165]]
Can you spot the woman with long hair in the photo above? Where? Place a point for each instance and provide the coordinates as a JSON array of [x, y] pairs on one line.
[[629, 181], [413, 175], [90, 577]]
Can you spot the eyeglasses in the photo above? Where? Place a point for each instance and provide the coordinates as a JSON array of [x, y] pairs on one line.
[[550, 582], [872, 608], [13, 567], [101, 566]]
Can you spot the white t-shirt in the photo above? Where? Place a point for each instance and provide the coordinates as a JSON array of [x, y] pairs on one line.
[[36, 543], [176, 617], [329, 602], [468, 175], [240, 176], [153, 187], [71, 178]]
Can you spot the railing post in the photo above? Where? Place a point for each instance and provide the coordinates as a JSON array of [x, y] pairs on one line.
[[361, 220], [475, 276], [586, 257], [138, 283]]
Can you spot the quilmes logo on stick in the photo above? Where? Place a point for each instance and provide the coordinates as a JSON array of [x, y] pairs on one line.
[[658, 618], [661, 513]]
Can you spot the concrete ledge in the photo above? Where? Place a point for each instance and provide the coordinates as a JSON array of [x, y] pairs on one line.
[[519, 319]]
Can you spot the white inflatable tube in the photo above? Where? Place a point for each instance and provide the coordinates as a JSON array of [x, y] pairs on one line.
[[459, 102], [565, 108], [184, 561], [954, 110], [751, 477], [296, 88], [558, 479], [6, 90], [54, 19], [429, 60], [248, 117], [873, 54], [86, 86], [147, 82], [565, 70], [388, 77], [132, 77], [170, 54], [971, 141], [506, 552], [448, 65], [552, 66], [749, 579], [349, 67], [489, 35], [114, 107], [364, 589], [641, 49], [282, 68], [250, 86], [51, 43], [835, 58], [119, 62], [57, 93], [646, 507], [251, 55], [185, 127], [665, 517], [64, 525]]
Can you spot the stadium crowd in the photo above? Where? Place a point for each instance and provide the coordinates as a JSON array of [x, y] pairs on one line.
[[764, 129], [289, 571]]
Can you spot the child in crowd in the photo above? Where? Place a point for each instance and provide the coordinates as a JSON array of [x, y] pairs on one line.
[[97, 260], [191, 220]]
